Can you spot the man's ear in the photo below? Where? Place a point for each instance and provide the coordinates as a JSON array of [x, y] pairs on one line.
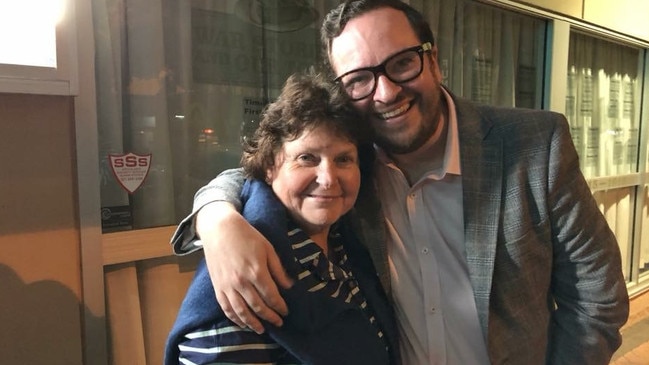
[[433, 54], [433, 62]]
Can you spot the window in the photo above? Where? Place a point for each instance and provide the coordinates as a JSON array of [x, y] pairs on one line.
[[180, 83], [36, 38], [603, 108], [602, 104]]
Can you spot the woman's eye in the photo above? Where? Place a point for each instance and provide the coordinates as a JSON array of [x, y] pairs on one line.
[[306, 158], [346, 159]]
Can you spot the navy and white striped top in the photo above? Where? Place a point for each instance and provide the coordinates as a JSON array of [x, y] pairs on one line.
[[226, 343]]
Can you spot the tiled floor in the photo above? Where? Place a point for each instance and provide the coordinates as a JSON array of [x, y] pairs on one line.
[[635, 345]]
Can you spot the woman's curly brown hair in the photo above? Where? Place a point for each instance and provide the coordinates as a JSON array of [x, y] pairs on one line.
[[308, 100]]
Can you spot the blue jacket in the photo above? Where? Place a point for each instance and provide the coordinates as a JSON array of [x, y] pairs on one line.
[[319, 329]]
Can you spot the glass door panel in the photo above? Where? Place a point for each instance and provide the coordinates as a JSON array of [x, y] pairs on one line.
[[603, 103]]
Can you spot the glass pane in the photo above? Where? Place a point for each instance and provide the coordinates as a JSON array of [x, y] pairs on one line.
[[181, 82], [602, 104], [618, 207], [487, 54]]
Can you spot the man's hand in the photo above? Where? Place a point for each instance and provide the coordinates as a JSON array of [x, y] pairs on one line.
[[243, 266]]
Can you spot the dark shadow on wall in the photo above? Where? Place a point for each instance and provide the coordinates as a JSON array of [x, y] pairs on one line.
[[40, 323]]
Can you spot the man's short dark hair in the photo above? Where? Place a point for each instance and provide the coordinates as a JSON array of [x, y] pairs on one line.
[[336, 20]]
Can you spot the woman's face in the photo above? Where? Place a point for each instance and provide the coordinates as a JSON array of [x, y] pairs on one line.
[[317, 178]]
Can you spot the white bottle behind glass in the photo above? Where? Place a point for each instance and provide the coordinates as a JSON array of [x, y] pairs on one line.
[[591, 125]]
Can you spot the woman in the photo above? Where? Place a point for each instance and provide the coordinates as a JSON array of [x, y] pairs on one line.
[[304, 166]]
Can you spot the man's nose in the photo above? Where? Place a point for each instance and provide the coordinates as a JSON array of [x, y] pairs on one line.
[[386, 89]]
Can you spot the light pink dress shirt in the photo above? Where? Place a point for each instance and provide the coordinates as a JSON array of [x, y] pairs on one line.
[[431, 288]]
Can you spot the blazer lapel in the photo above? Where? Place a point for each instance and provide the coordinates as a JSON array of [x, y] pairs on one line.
[[481, 156]]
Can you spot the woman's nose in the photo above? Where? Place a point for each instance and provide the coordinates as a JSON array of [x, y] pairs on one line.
[[326, 175]]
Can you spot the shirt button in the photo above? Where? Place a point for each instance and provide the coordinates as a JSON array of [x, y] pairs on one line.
[[432, 310], [425, 250]]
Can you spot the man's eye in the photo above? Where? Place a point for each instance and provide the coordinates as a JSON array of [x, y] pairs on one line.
[[405, 62], [357, 79]]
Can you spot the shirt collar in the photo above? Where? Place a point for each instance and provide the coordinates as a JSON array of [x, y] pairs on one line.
[[452, 153]]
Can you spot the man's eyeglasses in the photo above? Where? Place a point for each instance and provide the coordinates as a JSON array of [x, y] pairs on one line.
[[401, 67]]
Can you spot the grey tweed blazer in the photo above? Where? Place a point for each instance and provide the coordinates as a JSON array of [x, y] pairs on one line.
[[544, 265]]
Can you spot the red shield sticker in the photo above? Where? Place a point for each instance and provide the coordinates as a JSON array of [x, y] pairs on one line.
[[130, 169]]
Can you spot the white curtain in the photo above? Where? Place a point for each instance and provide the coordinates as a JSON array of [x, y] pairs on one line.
[[132, 104], [486, 54], [602, 104]]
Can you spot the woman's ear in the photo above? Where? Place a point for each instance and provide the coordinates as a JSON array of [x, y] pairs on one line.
[[269, 176]]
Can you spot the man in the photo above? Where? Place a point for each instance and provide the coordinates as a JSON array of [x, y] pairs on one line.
[[489, 243]]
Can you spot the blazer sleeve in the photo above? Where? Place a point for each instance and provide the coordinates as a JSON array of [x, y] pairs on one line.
[[226, 187], [588, 286]]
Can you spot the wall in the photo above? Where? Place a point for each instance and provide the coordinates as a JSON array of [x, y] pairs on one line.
[[570, 8], [625, 16], [40, 306]]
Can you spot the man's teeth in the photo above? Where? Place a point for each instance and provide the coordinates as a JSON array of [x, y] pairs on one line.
[[395, 112]]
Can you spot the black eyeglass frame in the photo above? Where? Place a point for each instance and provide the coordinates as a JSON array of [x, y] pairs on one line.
[[380, 68]]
